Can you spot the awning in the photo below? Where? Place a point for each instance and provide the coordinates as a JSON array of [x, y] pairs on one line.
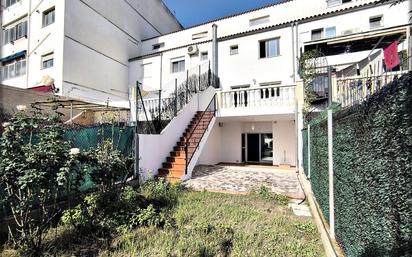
[[13, 56]]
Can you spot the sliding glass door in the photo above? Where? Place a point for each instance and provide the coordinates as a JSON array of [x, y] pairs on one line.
[[257, 148]]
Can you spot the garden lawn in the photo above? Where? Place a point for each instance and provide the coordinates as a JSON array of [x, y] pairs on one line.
[[213, 224]]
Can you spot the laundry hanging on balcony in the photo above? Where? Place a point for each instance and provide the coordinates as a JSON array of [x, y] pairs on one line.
[[391, 56]]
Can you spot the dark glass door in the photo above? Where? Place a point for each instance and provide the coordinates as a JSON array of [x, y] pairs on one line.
[[253, 147]]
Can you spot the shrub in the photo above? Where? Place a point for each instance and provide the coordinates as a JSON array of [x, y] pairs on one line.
[[36, 168]]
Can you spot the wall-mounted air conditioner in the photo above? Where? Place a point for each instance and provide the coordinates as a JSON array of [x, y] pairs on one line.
[[192, 50]]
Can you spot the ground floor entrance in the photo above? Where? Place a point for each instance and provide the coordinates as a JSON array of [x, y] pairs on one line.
[[257, 148]]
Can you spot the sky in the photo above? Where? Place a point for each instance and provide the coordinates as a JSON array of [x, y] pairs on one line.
[[193, 12]]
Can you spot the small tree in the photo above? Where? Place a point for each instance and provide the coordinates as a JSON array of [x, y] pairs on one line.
[[36, 166]]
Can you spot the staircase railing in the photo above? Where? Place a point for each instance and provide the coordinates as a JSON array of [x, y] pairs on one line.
[[212, 106], [162, 110]]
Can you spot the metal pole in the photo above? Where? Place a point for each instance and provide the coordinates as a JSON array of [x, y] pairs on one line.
[[200, 71], [136, 137], [330, 85], [71, 112], [309, 151], [187, 87], [215, 50], [330, 159]]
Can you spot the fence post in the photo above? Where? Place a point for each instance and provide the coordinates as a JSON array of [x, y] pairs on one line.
[[200, 72], [136, 136], [330, 161], [175, 97], [187, 87], [309, 151]]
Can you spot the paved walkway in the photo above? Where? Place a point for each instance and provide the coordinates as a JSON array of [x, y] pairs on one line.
[[243, 179]]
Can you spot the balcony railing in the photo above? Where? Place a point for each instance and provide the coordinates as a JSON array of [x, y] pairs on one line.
[[257, 97], [351, 91]]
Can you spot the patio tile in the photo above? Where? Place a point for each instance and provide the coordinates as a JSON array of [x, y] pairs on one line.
[[239, 179]]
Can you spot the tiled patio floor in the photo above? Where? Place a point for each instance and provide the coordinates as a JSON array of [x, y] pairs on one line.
[[243, 179]]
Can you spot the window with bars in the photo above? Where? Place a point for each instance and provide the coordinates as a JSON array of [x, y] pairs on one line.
[[234, 50], [269, 48], [48, 17], [177, 65], [375, 22], [9, 3], [13, 69], [204, 56], [16, 32], [47, 61]]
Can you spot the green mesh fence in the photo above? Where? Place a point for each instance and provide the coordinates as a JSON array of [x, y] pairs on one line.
[[87, 138], [373, 173], [319, 176], [305, 150], [372, 153]]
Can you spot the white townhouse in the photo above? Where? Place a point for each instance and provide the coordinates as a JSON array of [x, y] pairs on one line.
[[256, 115], [79, 47]]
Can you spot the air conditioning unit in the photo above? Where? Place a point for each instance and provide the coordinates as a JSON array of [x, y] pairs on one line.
[[192, 50]]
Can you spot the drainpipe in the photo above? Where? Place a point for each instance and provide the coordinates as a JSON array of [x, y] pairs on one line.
[[215, 67], [293, 52], [28, 44], [297, 50]]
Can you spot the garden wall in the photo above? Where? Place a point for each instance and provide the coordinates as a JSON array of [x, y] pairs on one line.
[[372, 156]]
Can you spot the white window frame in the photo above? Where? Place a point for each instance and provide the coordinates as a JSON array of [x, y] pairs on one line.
[[268, 49], [259, 20], [158, 46], [333, 3], [14, 69], [380, 17], [49, 17], [181, 65], [329, 29], [322, 34], [234, 49], [199, 35], [204, 56], [47, 59]]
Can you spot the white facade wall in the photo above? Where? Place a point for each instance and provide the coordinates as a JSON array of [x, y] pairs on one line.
[[224, 144], [92, 41], [246, 68]]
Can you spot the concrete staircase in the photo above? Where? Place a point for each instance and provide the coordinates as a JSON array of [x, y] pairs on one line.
[[175, 166]]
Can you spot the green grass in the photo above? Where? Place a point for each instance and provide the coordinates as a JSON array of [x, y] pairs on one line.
[[208, 224]]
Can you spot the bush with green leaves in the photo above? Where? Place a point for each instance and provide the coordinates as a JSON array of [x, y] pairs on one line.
[[37, 167]]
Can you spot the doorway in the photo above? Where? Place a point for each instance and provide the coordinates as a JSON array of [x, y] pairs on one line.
[[257, 148]]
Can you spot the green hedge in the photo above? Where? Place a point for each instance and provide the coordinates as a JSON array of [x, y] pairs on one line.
[[373, 172]]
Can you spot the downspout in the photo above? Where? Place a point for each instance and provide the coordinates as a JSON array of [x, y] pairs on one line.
[[161, 71], [293, 52], [215, 67], [297, 49], [28, 44]]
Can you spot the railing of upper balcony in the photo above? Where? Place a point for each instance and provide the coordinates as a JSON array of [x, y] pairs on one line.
[[351, 91], [257, 97], [155, 113]]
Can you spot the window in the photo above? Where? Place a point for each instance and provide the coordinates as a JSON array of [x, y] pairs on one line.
[[158, 46], [47, 61], [269, 48], [259, 21], [204, 56], [375, 22], [199, 35], [11, 2], [240, 86], [330, 32], [48, 17], [177, 65], [147, 70], [317, 34], [16, 32], [234, 50], [332, 3], [13, 69]]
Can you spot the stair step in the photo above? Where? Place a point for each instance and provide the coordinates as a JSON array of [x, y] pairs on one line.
[[178, 154], [181, 160], [190, 149], [173, 165], [166, 172]]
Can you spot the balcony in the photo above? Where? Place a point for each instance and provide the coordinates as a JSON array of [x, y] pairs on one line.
[[256, 101]]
